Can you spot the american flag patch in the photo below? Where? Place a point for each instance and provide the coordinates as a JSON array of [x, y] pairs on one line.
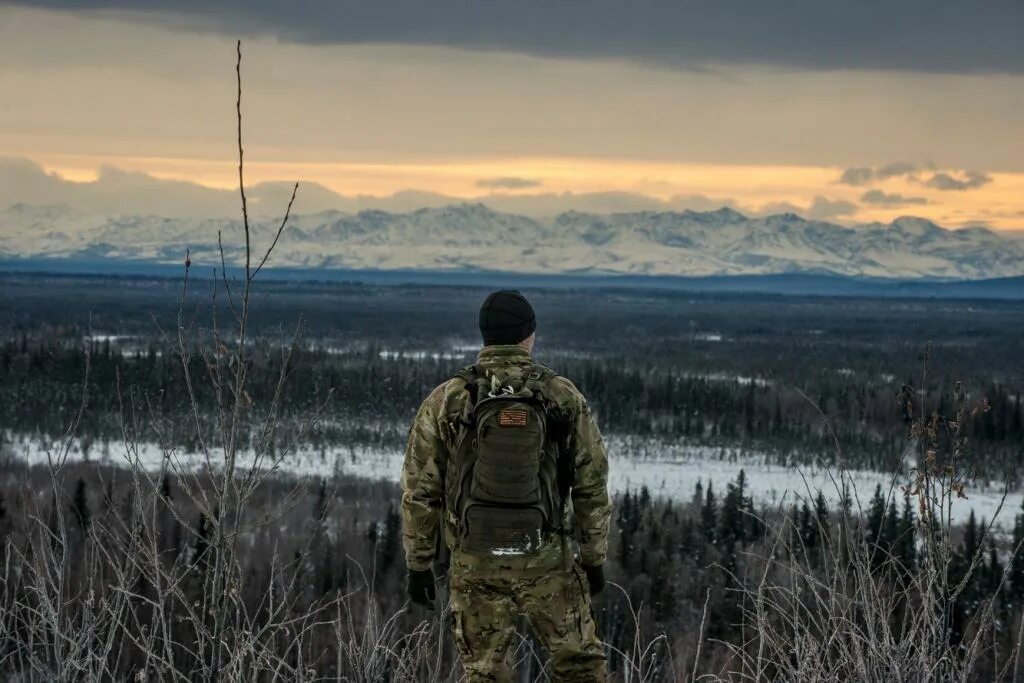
[[512, 417]]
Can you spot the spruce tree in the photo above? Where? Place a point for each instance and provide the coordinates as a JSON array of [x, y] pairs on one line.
[[625, 520], [969, 549], [644, 500], [389, 541], [709, 515], [890, 529], [876, 518], [971, 538], [907, 547], [686, 538], [807, 528], [994, 569], [80, 507], [732, 519], [821, 513]]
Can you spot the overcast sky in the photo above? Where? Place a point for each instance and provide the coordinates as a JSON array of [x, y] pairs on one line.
[[848, 111]]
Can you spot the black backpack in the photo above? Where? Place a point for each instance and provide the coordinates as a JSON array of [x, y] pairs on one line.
[[510, 475]]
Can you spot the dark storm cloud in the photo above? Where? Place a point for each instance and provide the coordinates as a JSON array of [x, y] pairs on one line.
[[916, 35], [508, 183], [863, 175], [879, 198], [947, 182]]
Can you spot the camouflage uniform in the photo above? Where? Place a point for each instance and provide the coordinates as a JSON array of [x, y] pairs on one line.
[[487, 592]]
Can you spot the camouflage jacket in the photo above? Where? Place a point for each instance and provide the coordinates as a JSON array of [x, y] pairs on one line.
[[432, 440]]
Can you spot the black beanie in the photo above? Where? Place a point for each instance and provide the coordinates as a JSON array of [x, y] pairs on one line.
[[506, 317]]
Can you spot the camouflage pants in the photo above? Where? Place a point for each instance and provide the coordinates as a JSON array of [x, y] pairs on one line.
[[486, 605]]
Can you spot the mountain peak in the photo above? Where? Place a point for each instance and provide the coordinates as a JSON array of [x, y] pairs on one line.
[[914, 225], [728, 215]]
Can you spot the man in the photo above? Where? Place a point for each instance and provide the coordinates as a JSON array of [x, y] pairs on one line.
[[506, 464]]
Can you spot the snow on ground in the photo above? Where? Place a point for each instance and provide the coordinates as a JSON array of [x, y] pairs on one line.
[[668, 469]]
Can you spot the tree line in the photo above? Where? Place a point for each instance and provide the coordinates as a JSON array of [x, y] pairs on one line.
[[368, 395]]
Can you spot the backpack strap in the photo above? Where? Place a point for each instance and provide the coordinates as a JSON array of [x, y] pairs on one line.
[[538, 379], [471, 375]]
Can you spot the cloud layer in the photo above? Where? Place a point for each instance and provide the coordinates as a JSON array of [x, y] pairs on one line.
[[863, 175], [116, 192], [947, 182], [508, 183], [879, 198], [817, 34], [859, 176]]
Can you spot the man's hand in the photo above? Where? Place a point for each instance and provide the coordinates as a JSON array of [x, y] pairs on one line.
[[421, 587], [595, 577]]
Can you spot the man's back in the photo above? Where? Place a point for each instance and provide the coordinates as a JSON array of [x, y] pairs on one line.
[[550, 583]]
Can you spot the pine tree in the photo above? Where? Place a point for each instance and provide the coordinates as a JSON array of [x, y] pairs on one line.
[[321, 506], [971, 539], [890, 529], [994, 569], [807, 528], [644, 500], [968, 552], [709, 514], [731, 520], [729, 516], [389, 540], [792, 520], [698, 494], [876, 518], [821, 513], [687, 541], [80, 507], [625, 520]]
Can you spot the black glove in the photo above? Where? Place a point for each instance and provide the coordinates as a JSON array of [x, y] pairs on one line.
[[595, 577], [421, 587]]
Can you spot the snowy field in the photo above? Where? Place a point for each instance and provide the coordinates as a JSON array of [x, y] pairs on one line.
[[668, 470]]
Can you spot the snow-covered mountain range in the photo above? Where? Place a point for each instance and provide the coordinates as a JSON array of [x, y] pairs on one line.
[[472, 237]]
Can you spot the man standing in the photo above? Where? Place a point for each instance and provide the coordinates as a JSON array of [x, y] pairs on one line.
[[506, 465]]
